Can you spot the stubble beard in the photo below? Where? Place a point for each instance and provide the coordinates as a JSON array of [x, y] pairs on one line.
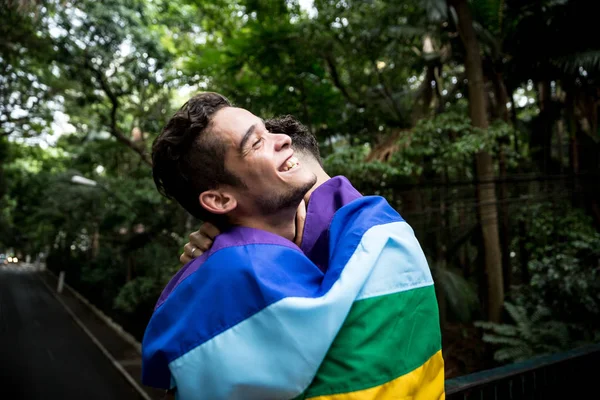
[[291, 198]]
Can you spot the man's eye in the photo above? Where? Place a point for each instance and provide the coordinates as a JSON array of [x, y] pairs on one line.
[[255, 145]]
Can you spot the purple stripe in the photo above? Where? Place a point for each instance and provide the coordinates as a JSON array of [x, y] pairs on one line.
[[324, 202], [236, 236]]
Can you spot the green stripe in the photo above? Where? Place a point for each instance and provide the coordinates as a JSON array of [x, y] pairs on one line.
[[382, 339]]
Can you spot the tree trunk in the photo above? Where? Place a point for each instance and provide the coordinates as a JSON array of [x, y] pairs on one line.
[[3, 158], [487, 207], [560, 133], [523, 255], [541, 135], [129, 269], [513, 118], [424, 97], [573, 150], [442, 246], [95, 242], [504, 223], [502, 112], [501, 96]]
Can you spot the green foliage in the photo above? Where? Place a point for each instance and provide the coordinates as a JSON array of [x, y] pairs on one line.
[[530, 335], [155, 265], [141, 290], [560, 307], [448, 142], [564, 253], [534, 333], [445, 144], [342, 71], [118, 73], [26, 83], [490, 14], [370, 177], [459, 293]]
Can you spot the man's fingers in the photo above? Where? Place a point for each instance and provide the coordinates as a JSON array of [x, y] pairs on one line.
[[184, 259], [300, 219], [192, 250], [209, 230], [200, 241]]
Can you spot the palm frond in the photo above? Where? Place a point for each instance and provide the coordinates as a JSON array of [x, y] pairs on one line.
[[488, 39], [588, 60], [437, 10], [461, 296]]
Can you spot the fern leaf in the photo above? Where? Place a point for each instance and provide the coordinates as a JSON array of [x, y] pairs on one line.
[[495, 339], [513, 354]]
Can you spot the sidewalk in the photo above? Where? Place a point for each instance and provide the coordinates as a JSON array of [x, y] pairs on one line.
[[121, 347]]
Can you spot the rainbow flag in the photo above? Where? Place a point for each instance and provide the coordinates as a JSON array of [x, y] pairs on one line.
[[255, 319]]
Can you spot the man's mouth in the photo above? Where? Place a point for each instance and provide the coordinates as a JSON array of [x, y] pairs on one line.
[[290, 164]]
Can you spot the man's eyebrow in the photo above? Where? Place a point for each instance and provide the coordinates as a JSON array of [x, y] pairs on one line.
[[246, 137]]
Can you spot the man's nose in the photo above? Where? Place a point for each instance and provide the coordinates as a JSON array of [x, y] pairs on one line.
[[282, 141]]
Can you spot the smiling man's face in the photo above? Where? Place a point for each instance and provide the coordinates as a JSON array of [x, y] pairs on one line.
[[264, 161]]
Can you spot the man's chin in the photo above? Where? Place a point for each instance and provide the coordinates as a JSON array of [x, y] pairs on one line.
[[305, 186], [312, 181], [290, 199]]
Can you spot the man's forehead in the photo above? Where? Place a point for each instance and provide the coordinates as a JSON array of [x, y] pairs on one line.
[[235, 119], [231, 124]]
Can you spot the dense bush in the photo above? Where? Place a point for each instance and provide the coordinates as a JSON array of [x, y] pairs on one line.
[[564, 262], [559, 308]]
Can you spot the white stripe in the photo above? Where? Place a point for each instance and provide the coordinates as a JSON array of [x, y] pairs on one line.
[[276, 353], [401, 266]]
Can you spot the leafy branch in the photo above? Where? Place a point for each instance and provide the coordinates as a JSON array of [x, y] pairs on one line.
[[114, 100]]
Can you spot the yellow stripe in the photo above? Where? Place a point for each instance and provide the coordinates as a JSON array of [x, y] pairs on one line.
[[423, 383]]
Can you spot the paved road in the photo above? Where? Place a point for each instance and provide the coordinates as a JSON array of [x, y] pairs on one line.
[[43, 353]]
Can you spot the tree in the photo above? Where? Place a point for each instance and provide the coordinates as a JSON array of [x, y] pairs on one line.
[[119, 73], [26, 82], [487, 208]]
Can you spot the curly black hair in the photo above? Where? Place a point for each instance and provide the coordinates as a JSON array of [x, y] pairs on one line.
[[188, 158], [302, 139]]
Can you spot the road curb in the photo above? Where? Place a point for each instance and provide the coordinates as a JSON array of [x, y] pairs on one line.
[[116, 327], [95, 340]]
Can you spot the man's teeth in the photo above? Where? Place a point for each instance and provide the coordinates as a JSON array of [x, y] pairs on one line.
[[289, 164]]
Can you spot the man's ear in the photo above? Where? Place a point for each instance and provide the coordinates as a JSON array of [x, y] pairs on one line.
[[218, 201]]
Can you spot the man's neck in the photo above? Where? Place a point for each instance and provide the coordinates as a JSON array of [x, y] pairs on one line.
[[321, 175], [282, 223]]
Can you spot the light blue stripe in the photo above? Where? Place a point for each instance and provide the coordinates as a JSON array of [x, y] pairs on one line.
[[401, 265], [275, 353]]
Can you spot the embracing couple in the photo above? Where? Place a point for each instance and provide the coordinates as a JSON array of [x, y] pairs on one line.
[[331, 301]]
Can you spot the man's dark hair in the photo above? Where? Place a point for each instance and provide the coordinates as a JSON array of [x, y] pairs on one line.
[[188, 158], [302, 139]]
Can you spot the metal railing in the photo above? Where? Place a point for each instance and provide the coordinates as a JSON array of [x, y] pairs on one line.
[[571, 375]]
